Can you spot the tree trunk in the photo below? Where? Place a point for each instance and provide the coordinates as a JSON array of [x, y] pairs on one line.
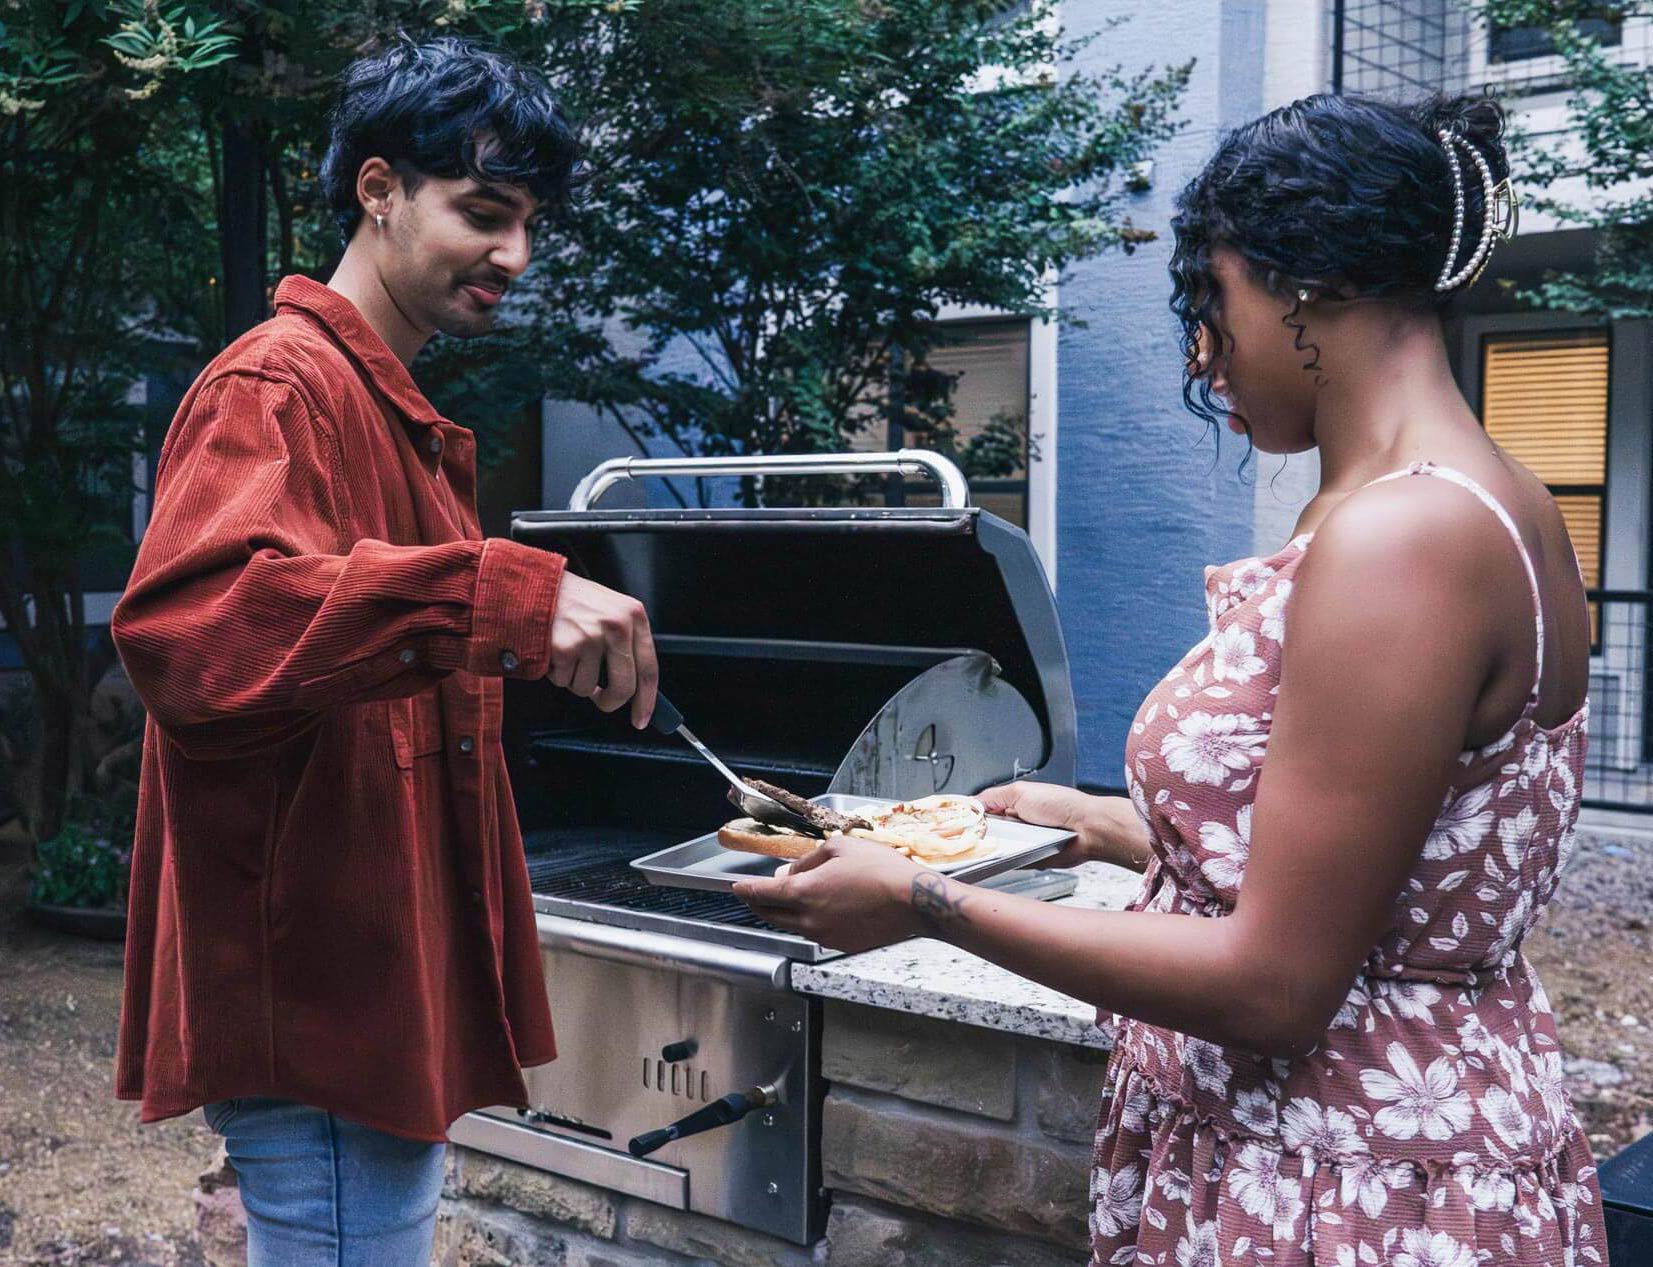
[[241, 228], [273, 155], [59, 772]]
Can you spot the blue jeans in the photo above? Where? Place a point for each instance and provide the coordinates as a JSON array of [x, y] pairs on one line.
[[323, 1192]]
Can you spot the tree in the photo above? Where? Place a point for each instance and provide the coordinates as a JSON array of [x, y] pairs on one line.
[[137, 141], [98, 236], [1610, 148], [785, 194]]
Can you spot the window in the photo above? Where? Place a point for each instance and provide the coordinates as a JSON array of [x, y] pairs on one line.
[[1398, 47], [1544, 400], [968, 399], [1518, 43]]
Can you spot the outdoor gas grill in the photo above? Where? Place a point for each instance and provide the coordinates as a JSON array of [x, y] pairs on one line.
[[890, 652]]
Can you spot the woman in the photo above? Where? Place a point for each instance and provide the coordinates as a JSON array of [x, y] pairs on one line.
[[1329, 1047]]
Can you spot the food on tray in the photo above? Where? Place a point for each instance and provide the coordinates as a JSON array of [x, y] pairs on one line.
[[750, 836], [934, 829], [825, 820]]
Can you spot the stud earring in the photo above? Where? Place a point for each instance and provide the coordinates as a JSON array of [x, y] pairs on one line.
[[1303, 295]]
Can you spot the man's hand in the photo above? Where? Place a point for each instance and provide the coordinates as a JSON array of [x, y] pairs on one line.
[[602, 650]]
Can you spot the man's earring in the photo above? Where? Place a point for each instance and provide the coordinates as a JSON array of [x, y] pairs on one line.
[[379, 220], [1302, 295]]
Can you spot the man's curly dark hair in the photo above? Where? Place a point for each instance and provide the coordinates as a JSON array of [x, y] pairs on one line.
[[447, 108]]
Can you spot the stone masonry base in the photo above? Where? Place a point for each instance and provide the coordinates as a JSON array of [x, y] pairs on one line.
[[943, 1145]]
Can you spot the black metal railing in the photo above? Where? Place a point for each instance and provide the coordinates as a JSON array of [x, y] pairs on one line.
[[1398, 47], [1618, 772], [1401, 48]]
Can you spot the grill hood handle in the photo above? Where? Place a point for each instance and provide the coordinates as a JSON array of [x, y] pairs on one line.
[[955, 491], [725, 1112]]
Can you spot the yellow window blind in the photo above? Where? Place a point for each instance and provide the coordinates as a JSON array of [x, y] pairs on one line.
[[1544, 400]]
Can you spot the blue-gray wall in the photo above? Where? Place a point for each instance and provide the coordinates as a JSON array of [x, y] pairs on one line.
[[1142, 502]]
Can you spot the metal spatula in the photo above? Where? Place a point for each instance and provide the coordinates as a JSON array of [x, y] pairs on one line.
[[766, 809]]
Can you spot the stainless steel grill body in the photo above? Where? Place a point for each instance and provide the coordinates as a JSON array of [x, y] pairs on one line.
[[877, 652], [622, 997]]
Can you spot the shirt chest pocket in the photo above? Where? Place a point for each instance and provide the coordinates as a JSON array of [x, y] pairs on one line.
[[416, 727]]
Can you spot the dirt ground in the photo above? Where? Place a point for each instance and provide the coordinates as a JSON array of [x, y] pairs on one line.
[[82, 1185]]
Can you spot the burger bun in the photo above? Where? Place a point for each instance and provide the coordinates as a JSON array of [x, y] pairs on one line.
[[748, 835]]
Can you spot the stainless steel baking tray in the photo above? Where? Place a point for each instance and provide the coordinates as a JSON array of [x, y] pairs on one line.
[[702, 863]]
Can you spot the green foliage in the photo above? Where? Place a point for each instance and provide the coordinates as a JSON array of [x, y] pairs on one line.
[[113, 115], [782, 197], [87, 864], [1608, 145], [101, 246]]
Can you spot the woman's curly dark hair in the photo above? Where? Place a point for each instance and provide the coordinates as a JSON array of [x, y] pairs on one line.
[[1343, 194], [424, 108]]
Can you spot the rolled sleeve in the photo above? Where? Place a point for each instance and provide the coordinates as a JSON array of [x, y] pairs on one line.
[[516, 596]]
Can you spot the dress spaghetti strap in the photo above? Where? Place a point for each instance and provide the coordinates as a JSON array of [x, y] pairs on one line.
[[1492, 503]]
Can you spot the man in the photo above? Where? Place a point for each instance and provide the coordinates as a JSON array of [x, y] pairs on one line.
[[332, 941]]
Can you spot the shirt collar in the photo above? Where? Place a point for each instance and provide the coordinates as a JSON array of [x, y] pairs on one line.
[[344, 321]]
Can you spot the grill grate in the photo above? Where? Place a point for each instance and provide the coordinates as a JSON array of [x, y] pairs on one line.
[[599, 872]]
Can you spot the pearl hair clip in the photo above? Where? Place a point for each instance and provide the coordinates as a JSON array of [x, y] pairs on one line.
[[1500, 213]]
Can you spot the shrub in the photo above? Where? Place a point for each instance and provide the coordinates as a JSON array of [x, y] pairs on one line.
[[87, 864]]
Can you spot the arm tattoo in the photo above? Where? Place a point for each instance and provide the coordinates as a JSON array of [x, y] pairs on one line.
[[934, 907]]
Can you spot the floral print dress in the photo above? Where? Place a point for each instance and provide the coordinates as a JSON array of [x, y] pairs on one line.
[[1430, 1127]]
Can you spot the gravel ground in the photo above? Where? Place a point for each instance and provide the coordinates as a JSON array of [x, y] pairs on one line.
[[1592, 953], [82, 1185]]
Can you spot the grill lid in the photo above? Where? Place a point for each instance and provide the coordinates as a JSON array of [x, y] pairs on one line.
[[870, 589], [929, 737]]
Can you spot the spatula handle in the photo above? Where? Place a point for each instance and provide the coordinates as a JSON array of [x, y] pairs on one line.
[[666, 718]]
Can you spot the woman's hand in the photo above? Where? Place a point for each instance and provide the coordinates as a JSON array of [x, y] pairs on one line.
[[1109, 828], [848, 894]]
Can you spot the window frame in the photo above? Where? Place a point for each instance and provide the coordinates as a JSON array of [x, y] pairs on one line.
[[1496, 58], [1042, 350], [1545, 73], [1627, 553]]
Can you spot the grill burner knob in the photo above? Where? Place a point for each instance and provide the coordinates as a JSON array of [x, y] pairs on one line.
[[671, 1053], [725, 1112]]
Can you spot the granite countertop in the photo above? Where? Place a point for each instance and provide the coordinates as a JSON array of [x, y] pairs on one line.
[[932, 978]]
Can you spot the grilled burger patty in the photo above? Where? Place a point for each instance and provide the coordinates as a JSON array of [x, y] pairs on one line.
[[825, 821]]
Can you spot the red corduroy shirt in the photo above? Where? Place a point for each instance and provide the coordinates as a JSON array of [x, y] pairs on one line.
[[329, 901]]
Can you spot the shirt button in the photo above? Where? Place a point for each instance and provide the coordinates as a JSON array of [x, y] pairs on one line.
[[466, 743], [406, 657], [508, 661], [436, 444]]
